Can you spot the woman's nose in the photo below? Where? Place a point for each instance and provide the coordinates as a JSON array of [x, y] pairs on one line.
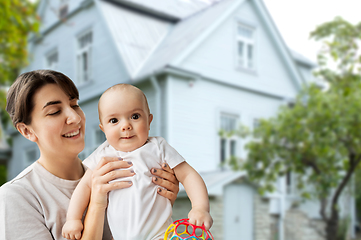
[[73, 117]]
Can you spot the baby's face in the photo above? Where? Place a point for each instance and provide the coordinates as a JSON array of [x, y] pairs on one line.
[[125, 119]]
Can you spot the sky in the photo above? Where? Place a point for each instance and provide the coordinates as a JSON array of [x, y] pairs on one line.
[[295, 19]]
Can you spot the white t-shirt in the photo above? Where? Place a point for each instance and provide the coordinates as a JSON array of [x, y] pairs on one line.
[[138, 212], [34, 204]]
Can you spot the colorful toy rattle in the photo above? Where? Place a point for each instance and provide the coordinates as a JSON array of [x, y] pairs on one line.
[[183, 230]]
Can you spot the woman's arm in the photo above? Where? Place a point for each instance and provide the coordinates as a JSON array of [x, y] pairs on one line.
[[20, 217], [106, 170], [165, 178]]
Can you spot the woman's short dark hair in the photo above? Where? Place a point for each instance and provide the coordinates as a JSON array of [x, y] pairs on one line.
[[20, 97]]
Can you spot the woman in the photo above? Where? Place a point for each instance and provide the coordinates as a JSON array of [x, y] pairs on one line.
[[43, 106]]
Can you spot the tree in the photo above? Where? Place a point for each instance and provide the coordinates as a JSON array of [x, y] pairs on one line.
[[18, 20], [319, 138]]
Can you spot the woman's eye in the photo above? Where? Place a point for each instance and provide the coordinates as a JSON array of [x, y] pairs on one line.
[[113, 120], [75, 106], [54, 113], [136, 116]]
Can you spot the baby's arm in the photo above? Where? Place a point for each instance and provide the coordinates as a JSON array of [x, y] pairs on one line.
[[197, 193], [78, 203]]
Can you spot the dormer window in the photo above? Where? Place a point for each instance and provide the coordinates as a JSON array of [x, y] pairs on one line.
[[246, 47]]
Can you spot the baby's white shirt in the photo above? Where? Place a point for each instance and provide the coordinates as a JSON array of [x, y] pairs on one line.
[[138, 212]]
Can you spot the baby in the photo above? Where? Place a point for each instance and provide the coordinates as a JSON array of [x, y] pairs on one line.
[[138, 212]]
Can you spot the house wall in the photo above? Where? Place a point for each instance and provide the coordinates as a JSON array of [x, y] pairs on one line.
[[298, 226], [63, 38], [104, 73], [215, 57], [262, 220], [194, 109], [49, 11]]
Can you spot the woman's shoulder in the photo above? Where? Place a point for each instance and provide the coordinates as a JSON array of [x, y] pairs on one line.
[[19, 184]]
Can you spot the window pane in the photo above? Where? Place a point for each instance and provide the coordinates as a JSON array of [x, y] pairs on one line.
[[233, 147], [228, 122], [52, 60], [223, 150], [250, 56], [245, 32], [241, 53], [85, 40], [84, 57]]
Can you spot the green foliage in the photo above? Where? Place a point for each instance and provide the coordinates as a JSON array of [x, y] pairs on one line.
[[2, 174], [313, 139], [18, 19], [319, 138]]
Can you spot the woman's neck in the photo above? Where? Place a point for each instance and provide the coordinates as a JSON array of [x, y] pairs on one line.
[[65, 168]]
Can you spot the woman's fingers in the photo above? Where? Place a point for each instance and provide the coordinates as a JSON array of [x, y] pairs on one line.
[[167, 194], [107, 164], [108, 169], [166, 173]]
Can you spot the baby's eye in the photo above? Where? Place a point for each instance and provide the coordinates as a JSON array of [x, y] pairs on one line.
[[113, 120], [136, 116]]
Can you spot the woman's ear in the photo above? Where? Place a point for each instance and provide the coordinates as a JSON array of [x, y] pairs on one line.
[[26, 131]]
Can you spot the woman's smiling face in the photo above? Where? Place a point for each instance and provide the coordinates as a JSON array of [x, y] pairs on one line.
[[58, 123]]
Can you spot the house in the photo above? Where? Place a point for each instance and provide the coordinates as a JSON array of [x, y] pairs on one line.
[[204, 67]]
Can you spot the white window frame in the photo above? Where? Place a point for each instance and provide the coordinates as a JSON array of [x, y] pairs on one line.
[[52, 59], [248, 39], [231, 144], [84, 57]]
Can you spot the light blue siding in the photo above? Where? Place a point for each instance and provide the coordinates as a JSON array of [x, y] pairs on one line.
[[194, 112], [107, 67], [216, 57]]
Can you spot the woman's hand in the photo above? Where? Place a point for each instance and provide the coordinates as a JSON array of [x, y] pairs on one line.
[[108, 169], [165, 178]]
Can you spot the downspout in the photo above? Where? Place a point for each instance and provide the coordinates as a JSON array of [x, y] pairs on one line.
[[282, 208], [158, 119]]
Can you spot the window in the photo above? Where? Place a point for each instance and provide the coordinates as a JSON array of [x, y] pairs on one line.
[[84, 57], [52, 60], [228, 144], [246, 47]]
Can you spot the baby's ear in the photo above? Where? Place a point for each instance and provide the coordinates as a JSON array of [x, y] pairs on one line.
[[150, 119], [26, 131], [101, 127]]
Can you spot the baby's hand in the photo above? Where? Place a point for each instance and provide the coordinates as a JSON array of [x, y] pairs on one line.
[[199, 217], [72, 229]]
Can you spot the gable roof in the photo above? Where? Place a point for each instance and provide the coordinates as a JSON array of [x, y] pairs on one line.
[[187, 34], [181, 37], [176, 9]]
